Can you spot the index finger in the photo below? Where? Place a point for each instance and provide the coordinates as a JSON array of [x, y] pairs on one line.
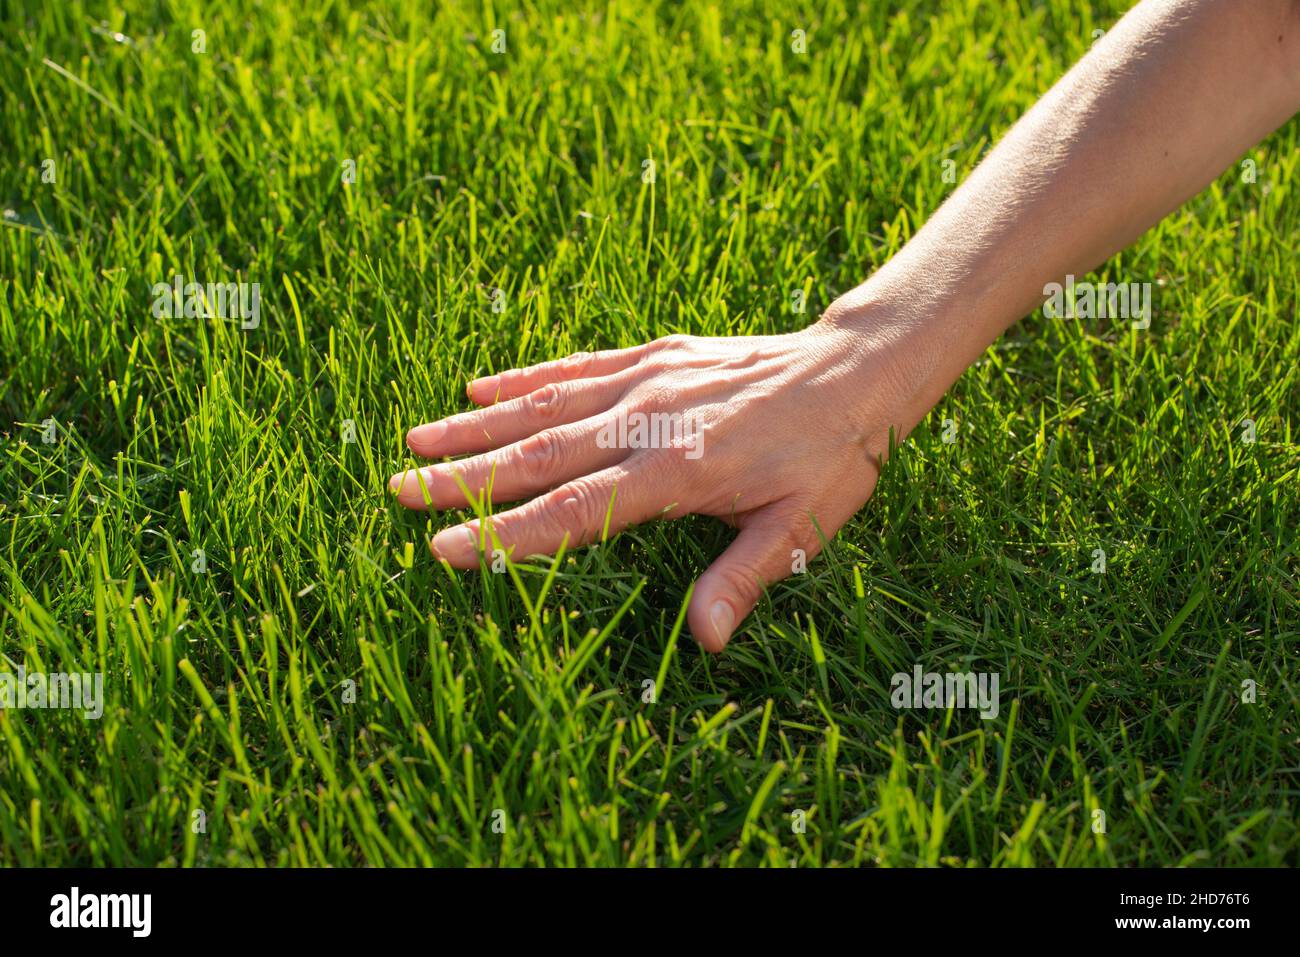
[[514, 383]]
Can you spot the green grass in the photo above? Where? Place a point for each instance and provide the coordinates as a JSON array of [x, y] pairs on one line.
[[475, 692]]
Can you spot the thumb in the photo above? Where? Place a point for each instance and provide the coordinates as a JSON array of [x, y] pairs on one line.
[[730, 588]]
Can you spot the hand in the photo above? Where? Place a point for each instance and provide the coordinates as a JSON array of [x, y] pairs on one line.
[[780, 436]]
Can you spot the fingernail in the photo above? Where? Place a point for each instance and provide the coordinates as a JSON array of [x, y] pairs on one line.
[[457, 544], [410, 483], [486, 385], [723, 620], [423, 436]]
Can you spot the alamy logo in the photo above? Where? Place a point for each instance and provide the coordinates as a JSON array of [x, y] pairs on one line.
[[957, 689], [1100, 300], [653, 430], [133, 911], [213, 300], [37, 691]]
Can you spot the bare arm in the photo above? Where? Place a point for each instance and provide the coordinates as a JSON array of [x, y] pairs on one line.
[[782, 436], [1158, 108]]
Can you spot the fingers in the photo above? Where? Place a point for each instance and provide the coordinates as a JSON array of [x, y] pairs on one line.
[[518, 471], [498, 425], [583, 365], [575, 513], [762, 554]]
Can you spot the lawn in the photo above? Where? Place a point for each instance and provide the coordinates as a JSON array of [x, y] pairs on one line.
[[196, 508]]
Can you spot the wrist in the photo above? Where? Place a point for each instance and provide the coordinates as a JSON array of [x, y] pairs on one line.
[[908, 348], [905, 331]]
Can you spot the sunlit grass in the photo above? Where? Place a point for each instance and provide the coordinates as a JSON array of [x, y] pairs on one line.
[[507, 718]]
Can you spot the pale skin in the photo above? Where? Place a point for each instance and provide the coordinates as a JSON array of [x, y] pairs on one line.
[[797, 426]]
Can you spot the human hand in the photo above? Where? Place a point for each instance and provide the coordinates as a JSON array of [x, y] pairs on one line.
[[780, 436]]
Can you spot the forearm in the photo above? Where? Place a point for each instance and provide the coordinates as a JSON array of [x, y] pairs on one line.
[[1173, 95], [1160, 106]]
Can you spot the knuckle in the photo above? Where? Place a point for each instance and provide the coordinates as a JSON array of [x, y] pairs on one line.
[[652, 366], [674, 341], [576, 510], [547, 403], [672, 467], [656, 395], [577, 364], [538, 456]]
